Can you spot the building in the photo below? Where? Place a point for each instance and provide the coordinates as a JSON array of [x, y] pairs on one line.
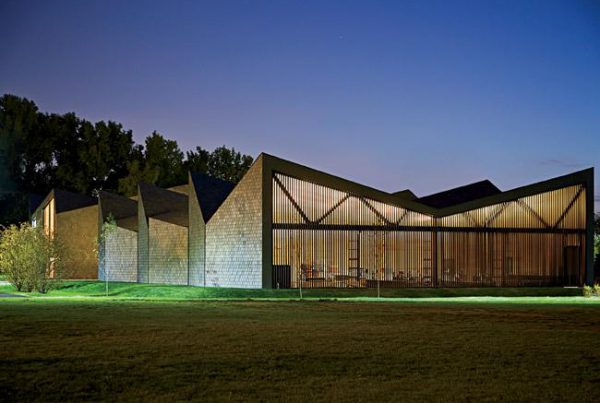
[[285, 225], [73, 220]]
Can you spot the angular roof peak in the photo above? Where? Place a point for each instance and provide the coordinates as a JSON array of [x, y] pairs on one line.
[[210, 192], [164, 205], [460, 194], [66, 201]]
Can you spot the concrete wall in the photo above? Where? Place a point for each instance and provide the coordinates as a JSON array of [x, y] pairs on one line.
[[119, 256], [196, 240], [77, 230], [168, 253], [142, 249], [234, 236]]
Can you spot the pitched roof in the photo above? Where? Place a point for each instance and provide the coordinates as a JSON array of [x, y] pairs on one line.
[[461, 194], [272, 164], [164, 205], [210, 192], [66, 201], [122, 209], [405, 194]]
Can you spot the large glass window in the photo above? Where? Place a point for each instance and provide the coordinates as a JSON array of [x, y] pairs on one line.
[[324, 237]]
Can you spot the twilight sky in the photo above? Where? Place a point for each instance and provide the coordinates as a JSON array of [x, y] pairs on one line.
[[424, 95]]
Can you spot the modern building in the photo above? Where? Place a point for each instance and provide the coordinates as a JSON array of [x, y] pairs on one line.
[[289, 226], [72, 219]]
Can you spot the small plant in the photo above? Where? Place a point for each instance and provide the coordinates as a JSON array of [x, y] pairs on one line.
[[596, 290], [30, 259], [587, 291], [108, 228]]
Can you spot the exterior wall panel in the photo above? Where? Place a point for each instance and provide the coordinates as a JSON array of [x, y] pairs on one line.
[[77, 230], [119, 258], [234, 236], [142, 249], [168, 253], [196, 239]]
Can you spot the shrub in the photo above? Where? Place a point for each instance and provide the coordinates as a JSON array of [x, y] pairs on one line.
[[596, 290], [30, 259], [587, 291]]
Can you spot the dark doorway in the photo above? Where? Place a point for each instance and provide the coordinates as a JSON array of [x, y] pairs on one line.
[[282, 276], [572, 265]]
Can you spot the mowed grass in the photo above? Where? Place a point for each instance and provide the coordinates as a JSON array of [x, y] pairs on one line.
[[298, 351], [118, 290]]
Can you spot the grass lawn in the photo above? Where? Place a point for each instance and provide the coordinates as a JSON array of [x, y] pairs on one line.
[[57, 349], [171, 292]]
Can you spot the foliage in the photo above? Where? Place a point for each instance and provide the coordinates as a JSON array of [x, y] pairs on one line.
[[30, 259], [160, 162], [228, 164], [587, 291], [40, 151]]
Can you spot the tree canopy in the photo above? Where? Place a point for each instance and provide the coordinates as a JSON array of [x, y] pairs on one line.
[[40, 151]]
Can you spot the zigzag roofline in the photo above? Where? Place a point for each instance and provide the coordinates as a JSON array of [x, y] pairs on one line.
[[272, 164]]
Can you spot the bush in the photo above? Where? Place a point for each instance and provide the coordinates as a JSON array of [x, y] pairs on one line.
[[591, 291], [30, 259]]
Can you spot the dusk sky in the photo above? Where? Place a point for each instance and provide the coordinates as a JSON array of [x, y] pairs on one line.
[[425, 95]]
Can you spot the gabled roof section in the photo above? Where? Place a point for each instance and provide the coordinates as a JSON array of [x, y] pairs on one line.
[[584, 177], [405, 194], [480, 194], [66, 201], [461, 194], [122, 209], [274, 164], [210, 192], [164, 205]]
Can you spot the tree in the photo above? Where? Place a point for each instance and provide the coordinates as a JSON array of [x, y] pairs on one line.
[[40, 151], [228, 164], [23, 156], [19, 128], [159, 163], [165, 156], [197, 161], [104, 152]]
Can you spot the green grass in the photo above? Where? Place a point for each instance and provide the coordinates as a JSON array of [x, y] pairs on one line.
[[170, 292], [55, 349]]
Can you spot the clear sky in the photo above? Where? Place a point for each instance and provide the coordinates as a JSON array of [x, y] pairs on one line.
[[424, 95]]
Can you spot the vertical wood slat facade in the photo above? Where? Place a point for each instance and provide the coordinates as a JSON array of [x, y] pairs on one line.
[[332, 238]]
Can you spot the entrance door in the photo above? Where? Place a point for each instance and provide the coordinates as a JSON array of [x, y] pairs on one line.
[[572, 265]]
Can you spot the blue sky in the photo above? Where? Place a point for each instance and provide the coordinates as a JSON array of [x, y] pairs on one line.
[[424, 95]]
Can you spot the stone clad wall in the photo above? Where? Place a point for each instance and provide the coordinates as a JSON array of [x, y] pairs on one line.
[[142, 245], [77, 230], [119, 258], [168, 253], [196, 239], [234, 236]]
